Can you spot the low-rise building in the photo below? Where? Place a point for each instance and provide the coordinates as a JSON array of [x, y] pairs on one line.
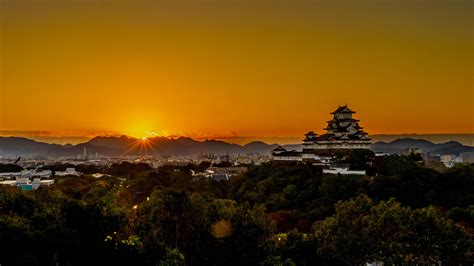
[[68, 172], [410, 151], [99, 175], [342, 170], [223, 173], [220, 177], [25, 184], [468, 157], [27, 173], [450, 160]]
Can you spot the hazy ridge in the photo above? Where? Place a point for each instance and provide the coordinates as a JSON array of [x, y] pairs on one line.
[[124, 145]]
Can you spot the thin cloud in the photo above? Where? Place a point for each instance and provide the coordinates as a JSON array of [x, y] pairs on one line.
[[25, 133]]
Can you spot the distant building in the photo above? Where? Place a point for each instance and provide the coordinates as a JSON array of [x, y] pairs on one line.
[[343, 133], [468, 157], [342, 170], [281, 154], [409, 151], [43, 173], [8, 182], [27, 173], [431, 157], [7, 175], [25, 184], [223, 173], [450, 160], [220, 177], [69, 171], [99, 175]]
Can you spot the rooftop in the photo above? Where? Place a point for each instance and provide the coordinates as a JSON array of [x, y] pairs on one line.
[[279, 148], [343, 110], [343, 120]]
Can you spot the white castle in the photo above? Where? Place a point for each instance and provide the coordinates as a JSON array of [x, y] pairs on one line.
[[343, 134]]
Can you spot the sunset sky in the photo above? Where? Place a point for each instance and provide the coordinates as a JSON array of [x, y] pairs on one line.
[[206, 68]]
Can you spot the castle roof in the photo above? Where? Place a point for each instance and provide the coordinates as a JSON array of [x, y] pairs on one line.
[[338, 128], [288, 153], [330, 136], [343, 120], [310, 136], [279, 148], [343, 110]]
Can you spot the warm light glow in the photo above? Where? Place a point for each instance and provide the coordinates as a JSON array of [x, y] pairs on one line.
[[141, 128], [243, 68], [142, 145]]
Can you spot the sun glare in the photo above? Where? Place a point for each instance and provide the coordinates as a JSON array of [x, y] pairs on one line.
[[143, 145]]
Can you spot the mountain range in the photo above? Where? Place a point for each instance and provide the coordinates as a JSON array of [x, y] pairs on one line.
[[450, 147], [124, 145]]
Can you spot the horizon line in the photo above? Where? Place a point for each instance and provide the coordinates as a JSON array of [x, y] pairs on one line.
[[50, 139]]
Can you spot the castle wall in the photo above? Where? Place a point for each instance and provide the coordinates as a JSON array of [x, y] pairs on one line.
[[360, 145], [287, 158]]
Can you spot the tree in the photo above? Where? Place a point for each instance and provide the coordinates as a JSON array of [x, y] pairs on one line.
[[343, 237], [251, 241], [300, 248], [360, 159], [277, 261], [393, 165], [361, 231], [455, 187], [435, 238], [129, 170], [9, 167], [179, 220]]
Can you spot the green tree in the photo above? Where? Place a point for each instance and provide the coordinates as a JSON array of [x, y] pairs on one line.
[[361, 231]]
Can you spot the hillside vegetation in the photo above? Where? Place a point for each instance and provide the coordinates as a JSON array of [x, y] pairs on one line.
[[274, 214]]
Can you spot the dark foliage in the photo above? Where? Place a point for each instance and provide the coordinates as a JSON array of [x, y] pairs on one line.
[[274, 214], [9, 167]]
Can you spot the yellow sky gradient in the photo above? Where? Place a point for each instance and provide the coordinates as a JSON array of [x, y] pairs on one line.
[[235, 67]]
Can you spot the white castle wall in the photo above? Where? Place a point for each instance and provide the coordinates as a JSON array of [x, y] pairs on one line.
[[342, 171]]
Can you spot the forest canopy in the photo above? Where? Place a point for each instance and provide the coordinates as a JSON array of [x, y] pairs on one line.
[[273, 214]]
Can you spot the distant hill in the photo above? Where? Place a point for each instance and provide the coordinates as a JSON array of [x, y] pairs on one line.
[[463, 138], [121, 142], [124, 145], [396, 146], [13, 146]]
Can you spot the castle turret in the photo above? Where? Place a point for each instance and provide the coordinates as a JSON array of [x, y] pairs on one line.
[[343, 131]]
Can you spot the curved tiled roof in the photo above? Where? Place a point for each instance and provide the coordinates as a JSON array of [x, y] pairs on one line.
[[343, 120], [279, 148], [288, 153], [343, 109], [355, 136]]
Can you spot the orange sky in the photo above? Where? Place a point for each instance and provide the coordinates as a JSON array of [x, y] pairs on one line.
[[235, 67]]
